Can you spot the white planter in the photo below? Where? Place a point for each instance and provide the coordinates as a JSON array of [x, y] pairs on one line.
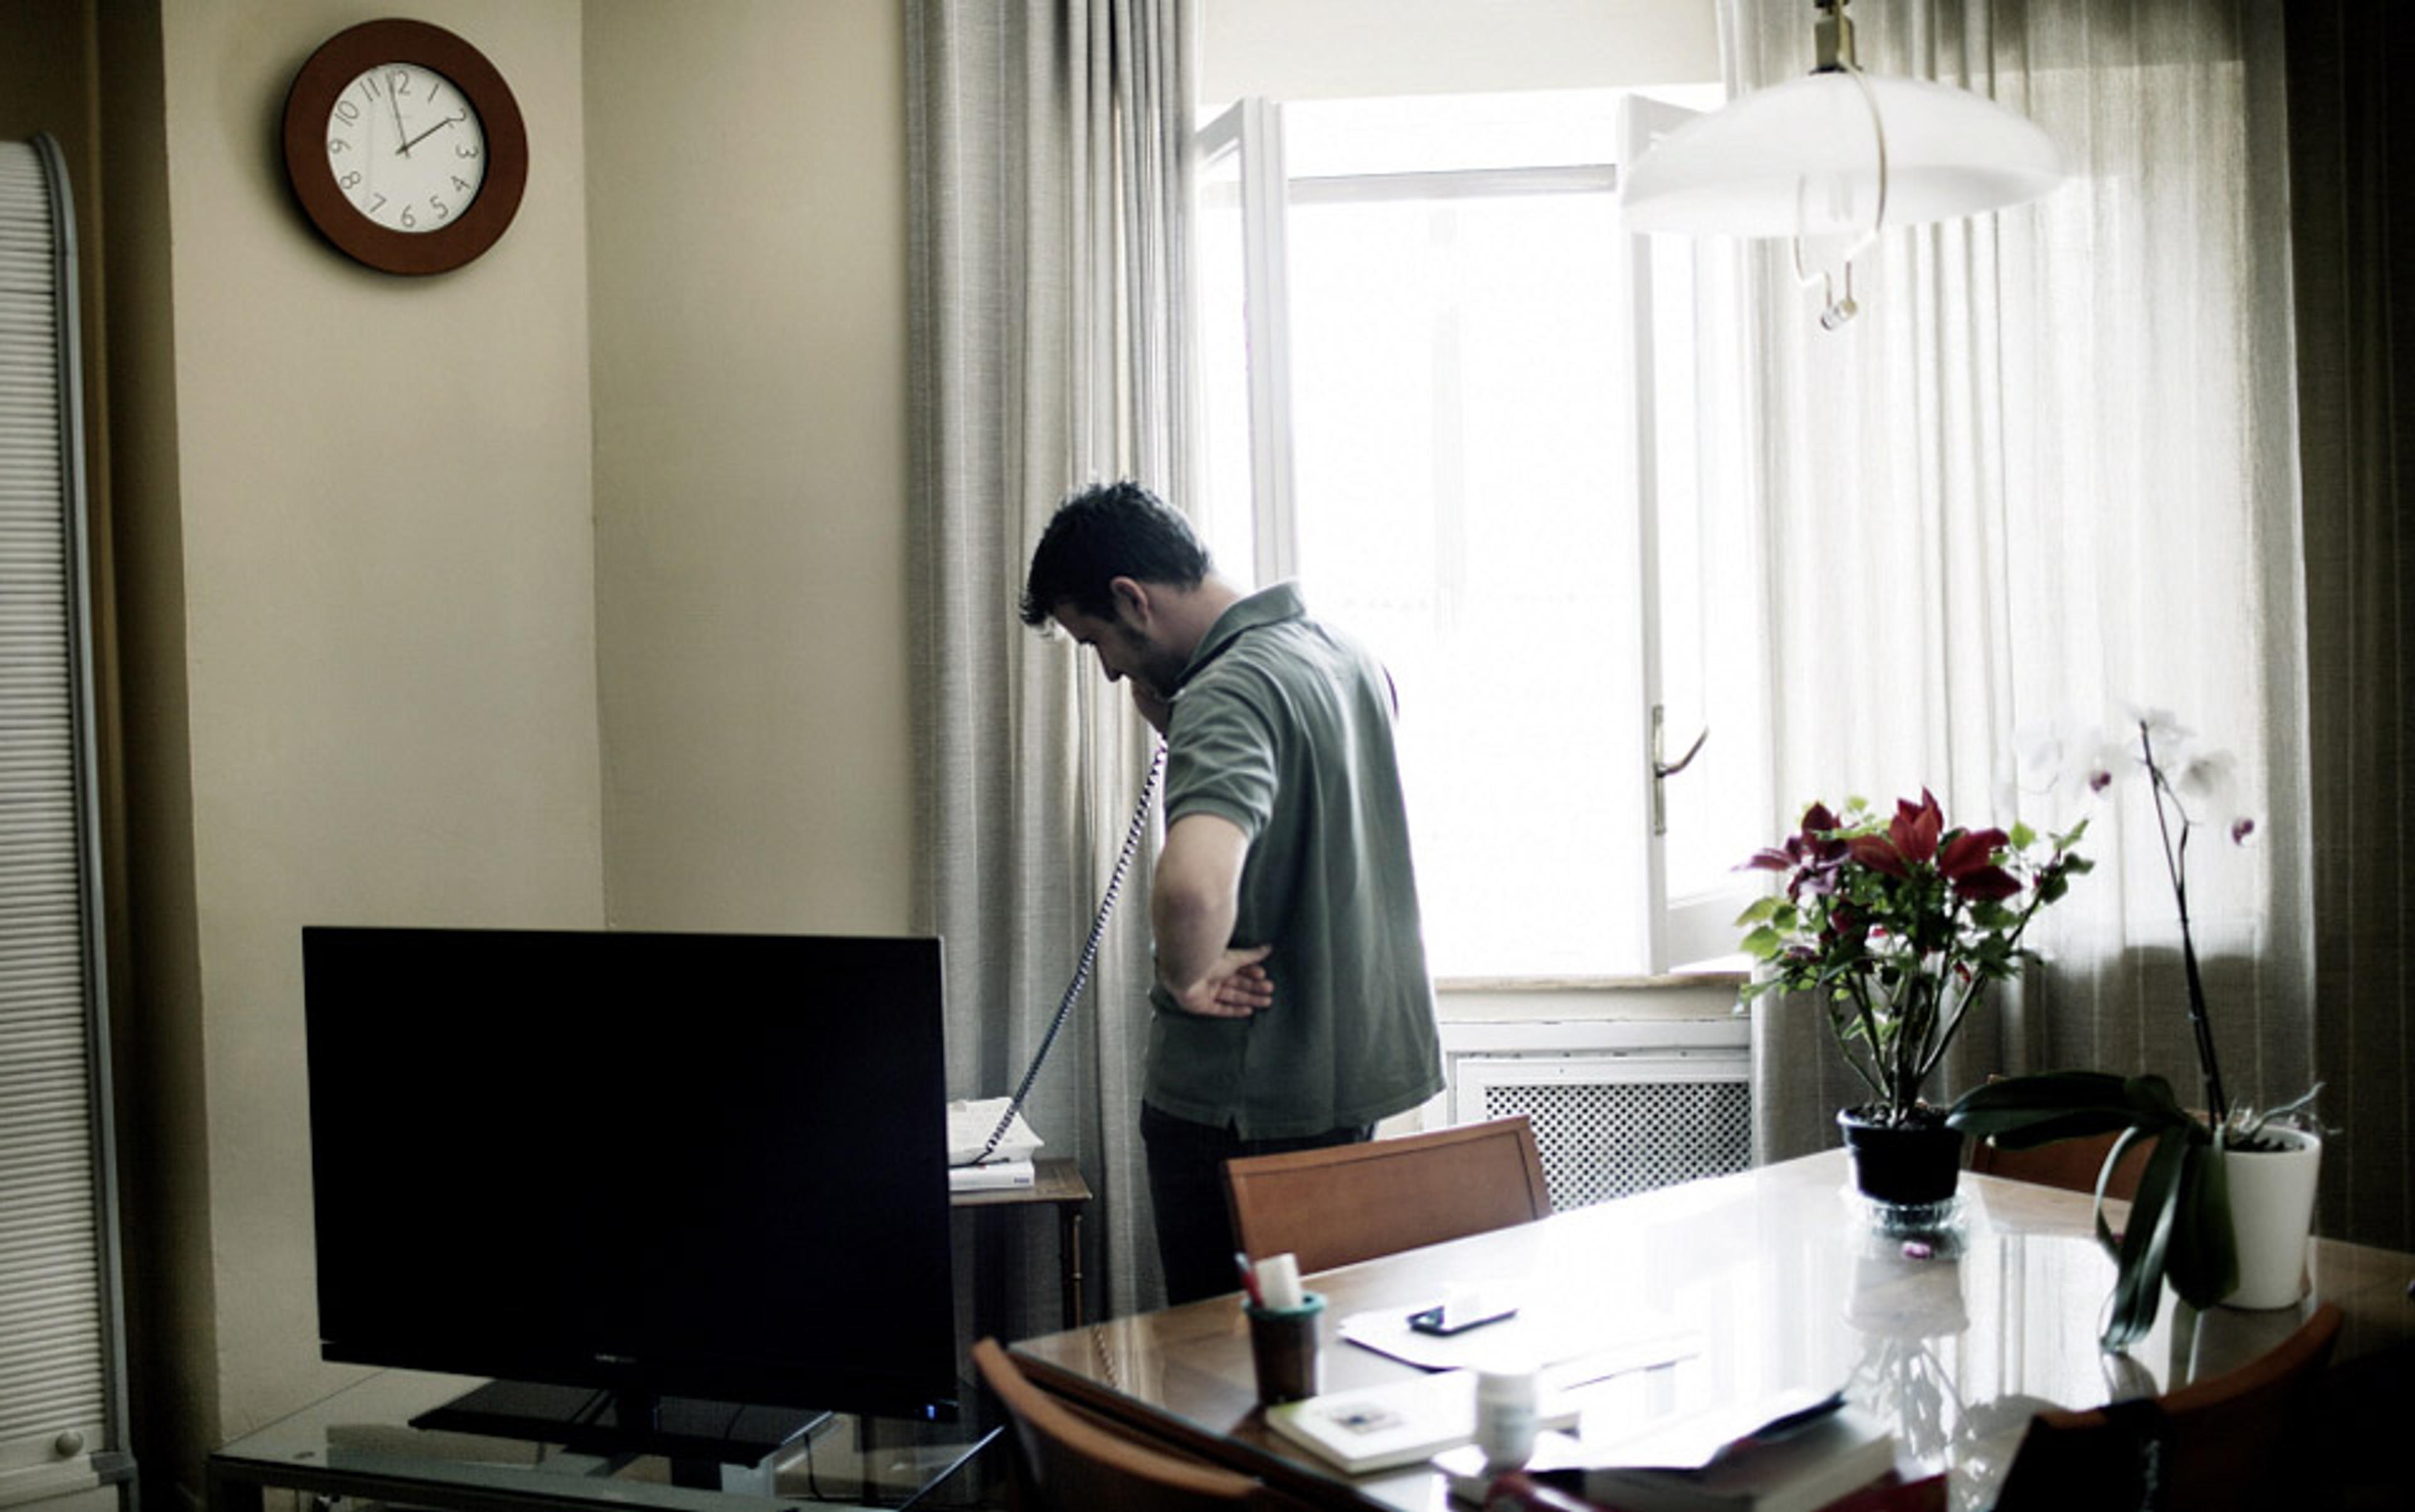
[[2272, 1213]]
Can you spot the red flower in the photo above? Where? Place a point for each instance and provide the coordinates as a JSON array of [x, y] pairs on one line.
[[1914, 831], [1968, 862], [1880, 853], [1813, 854], [1989, 884], [1909, 841]]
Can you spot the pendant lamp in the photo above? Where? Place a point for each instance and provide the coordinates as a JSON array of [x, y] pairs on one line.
[[1840, 155]]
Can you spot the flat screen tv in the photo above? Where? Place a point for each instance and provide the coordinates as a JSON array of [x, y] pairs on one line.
[[675, 1191]]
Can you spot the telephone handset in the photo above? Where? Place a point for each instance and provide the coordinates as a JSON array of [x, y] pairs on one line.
[[1133, 833]]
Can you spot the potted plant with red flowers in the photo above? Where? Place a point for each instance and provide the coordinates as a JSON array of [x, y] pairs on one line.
[[1895, 926], [2226, 1199]]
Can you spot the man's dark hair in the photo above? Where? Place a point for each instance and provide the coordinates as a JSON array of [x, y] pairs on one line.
[[1103, 533]]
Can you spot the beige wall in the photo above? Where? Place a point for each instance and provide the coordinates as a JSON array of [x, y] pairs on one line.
[[746, 215], [388, 605], [525, 594]]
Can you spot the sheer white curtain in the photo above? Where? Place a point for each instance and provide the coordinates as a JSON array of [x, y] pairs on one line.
[[1049, 174], [2051, 470]]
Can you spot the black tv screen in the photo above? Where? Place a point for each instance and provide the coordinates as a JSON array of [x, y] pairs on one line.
[[663, 1165]]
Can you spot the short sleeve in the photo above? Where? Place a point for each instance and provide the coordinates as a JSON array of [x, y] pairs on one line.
[[1220, 757]]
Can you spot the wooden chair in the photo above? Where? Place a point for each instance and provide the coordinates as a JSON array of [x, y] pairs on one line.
[[1068, 1460], [1350, 1202], [2071, 1164], [2236, 1440]]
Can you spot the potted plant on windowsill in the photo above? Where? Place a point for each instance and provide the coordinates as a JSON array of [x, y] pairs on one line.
[[2226, 1200], [1896, 927]]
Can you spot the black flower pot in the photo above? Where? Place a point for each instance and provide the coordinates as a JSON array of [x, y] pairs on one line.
[[1912, 1167]]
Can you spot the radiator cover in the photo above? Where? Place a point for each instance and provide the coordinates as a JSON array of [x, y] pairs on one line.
[[1616, 1107]]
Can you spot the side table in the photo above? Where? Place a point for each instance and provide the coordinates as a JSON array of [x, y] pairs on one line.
[[1058, 1184]]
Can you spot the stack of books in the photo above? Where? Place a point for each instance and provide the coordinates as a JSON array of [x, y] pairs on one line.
[[1797, 1453]]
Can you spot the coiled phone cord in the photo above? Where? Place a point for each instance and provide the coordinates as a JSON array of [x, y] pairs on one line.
[[1089, 951]]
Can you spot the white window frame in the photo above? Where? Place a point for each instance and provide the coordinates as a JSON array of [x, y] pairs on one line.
[[1687, 931]]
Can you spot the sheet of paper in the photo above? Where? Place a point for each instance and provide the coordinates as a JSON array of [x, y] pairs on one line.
[[971, 1123], [1568, 1345]]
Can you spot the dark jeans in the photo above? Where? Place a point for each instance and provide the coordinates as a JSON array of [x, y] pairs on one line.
[[1186, 1188]]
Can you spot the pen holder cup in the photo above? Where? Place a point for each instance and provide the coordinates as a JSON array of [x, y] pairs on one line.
[[1283, 1349]]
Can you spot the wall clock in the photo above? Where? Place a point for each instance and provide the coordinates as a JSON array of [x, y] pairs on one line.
[[404, 146]]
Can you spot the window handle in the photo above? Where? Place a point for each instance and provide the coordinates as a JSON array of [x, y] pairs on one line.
[[1661, 768], [1662, 771]]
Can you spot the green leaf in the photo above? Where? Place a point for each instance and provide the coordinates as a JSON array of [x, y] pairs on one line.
[[2138, 1281], [2035, 1128], [2204, 1261], [1763, 943], [2022, 835], [2056, 1090], [1758, 912], [2024, 1112]]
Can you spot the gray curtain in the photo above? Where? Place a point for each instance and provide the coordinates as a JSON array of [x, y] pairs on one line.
[[1049, 145], [2051, 470], [2352, 220]]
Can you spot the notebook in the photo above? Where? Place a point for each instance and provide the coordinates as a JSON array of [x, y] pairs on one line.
[[1399, 1423]]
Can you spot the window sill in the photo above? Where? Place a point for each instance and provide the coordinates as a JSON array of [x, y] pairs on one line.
[[1679, 995], [1723, 977]]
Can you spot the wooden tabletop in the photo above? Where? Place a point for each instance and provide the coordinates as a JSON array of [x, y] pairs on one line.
[[1777, 1276]]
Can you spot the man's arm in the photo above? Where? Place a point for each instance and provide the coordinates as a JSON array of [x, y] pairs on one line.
[[1194, 900]]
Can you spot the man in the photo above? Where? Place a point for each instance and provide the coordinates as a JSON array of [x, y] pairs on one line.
[[1292, 1009]]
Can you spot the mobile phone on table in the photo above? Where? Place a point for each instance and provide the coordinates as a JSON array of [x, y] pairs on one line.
[[1458, 1313]]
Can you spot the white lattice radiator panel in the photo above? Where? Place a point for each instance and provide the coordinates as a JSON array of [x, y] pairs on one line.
[[1613, 1113]]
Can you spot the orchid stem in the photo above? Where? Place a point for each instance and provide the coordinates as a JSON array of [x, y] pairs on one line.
[[2176, 863]]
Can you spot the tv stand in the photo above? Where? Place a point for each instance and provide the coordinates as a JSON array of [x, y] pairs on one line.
[[361, 1441], [697, 1436]]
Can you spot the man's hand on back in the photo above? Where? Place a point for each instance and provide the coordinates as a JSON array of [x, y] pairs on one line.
[[1235, 986]]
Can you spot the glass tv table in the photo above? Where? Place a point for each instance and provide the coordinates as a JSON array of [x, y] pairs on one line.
[[358, 1442]]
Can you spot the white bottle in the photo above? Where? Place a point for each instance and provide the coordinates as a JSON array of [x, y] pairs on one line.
[[1505, 1417]]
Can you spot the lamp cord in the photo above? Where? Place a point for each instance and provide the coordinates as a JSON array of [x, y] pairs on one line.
[[1133, 833], [1840, 311]]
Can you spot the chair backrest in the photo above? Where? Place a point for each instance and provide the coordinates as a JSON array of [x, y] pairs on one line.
[[1349, 1203], [2072, 1164], [2230, 1442], [1068, 1461]]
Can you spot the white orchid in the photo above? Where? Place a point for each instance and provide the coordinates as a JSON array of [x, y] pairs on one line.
[[2199, 781], [2180, 1228]]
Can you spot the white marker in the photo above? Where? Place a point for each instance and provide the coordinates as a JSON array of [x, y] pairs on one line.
[[1279, 1281]]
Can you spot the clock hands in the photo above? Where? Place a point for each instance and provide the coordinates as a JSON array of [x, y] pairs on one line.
[[390, 100], [450, 120]]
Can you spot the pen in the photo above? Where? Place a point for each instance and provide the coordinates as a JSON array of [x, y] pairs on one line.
[[1249, 1279]]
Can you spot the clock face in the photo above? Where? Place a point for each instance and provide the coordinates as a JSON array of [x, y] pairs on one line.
[[406, 147]]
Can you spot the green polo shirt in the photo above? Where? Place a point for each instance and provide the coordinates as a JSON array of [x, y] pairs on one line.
[[1285, 728]]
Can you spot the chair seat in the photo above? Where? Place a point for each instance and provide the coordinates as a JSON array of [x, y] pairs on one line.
[[2236, 1440], [1067, 1459], [2072, 1164]]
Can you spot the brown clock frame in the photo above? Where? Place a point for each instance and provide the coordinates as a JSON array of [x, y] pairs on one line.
[[344, 57]]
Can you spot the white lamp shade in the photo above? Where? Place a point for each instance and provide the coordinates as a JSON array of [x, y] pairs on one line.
[[1801, 158]]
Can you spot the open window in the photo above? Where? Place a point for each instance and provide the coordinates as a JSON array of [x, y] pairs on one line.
[[1443, 389]]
